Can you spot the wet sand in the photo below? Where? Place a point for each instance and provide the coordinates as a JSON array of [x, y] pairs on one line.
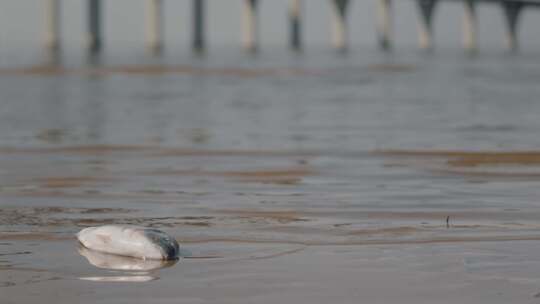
[[317, 179], [269, 273], [265, 240]]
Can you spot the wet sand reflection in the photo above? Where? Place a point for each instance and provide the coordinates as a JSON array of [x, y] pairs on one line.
[[116, 262], [127, 269]]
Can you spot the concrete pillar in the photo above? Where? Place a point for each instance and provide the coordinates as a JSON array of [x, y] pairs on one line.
[[295, 23], [470, 27], [198, 42], [384, 23], [53, 23], [94, 39], [154, 25], [425, 23], [53, 57], [512, 12], [339, 25], [250, 25]]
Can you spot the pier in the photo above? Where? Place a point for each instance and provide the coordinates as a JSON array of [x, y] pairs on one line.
[[511, 12]]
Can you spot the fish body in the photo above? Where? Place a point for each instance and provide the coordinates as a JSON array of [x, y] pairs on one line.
[[130, 241]]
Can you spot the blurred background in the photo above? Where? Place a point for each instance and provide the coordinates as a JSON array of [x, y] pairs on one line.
[[22, 24]]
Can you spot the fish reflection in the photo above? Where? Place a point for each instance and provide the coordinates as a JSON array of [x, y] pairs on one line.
[[139, 279], [136, 270], [117, 262]]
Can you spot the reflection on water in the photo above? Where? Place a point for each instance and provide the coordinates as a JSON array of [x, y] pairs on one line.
[[124, 279], [116, 262], [133, 270]]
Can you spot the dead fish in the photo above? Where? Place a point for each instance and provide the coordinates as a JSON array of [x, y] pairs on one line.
[[130, 241]]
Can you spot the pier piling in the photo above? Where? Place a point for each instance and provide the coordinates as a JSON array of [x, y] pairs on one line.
[[155, 24], [512, 12], [425, 23], [340, 27], [295, 23], [470, 27], [250, 26], [154, 29], [94, 39], [53, 23], [198, 42], [384, 23]]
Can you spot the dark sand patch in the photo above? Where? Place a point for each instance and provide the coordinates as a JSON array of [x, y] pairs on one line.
[[34, 236], [147, 197], [472, 158], [71, 181], [283, 217], [390, 231], [156, 70], [232, 153], [156, 151], [508, 175], [62, 210], [16, 253], [291, 175], [81, 150], [507, 165]]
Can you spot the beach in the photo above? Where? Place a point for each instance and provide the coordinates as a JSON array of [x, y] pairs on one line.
[[353, 178]]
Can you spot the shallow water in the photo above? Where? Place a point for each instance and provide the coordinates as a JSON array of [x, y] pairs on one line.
[[278, 174]]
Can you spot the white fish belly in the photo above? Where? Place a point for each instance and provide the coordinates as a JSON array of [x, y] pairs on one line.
[[131, 241]]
